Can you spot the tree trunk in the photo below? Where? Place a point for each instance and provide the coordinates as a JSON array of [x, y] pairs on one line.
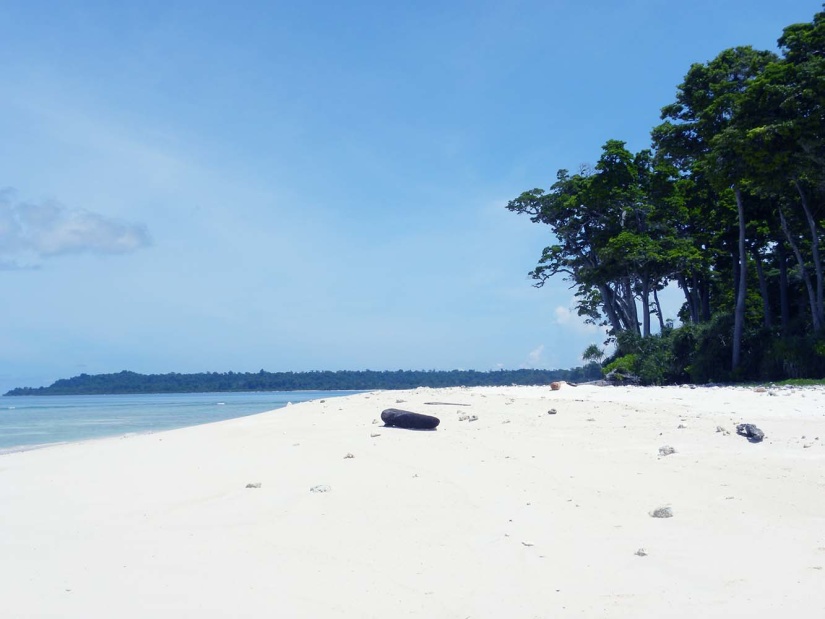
[[630, 303], [659, 311], [763, 290], [645, 306], [610, 307], [623, 307], [741, 288], [689, 300], [814, 251], [705, 288], [784, 306], [802, 270]]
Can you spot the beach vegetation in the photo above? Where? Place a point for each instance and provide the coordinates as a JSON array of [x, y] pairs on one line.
[[343, 380], [727, 204]]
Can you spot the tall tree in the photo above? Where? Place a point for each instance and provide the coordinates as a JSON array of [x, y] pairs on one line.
[[702, 131]]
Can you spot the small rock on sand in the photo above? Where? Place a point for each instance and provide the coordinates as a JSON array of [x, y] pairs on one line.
[[320, 488], [348, 456], [662, 512], [750, 432], [666, 450], [641, 552], [255, 485]]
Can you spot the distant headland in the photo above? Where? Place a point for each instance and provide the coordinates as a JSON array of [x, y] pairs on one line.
[[126, 382]]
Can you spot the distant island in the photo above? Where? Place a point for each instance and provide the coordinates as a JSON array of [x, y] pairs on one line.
[[126, 382]]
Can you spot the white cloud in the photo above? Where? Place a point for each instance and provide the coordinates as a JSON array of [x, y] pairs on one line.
[[567, 317], [31, 231], [535, 355]]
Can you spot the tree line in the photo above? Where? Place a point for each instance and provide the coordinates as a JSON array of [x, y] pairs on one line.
[[126, 382], [726, 204]]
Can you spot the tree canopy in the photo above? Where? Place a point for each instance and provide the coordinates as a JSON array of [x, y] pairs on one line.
[[726, 204]]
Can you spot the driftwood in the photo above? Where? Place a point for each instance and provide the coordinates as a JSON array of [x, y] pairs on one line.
[[409, 420]]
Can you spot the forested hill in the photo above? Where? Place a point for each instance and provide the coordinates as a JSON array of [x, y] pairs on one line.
[[132, 382]]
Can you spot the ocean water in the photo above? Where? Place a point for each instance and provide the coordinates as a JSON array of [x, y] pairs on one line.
[[32, 421]]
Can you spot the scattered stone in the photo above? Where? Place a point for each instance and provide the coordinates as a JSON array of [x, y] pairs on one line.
[[552, 411], [506, 421], [722, 430], [666, 450], [760, 390], [662, 512], [320, 488], [374, 434], [322, 401], [528, 544], [374, 421], [255, 485], [348, 456], [641, 552], [591, 419], [807, 445], [463, 417], [750, 432], [400, 401], [681, 426], [473, 418], [555, 386]]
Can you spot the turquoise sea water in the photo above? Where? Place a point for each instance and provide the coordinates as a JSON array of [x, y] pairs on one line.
[[31, 421]]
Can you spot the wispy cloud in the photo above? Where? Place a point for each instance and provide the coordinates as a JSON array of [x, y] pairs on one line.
[[567, 317], [536, 355], [30, 232]]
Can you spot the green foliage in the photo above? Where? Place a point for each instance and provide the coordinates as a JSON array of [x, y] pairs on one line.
[[626, 364], [793, 358], [728, 206], [593, 353]]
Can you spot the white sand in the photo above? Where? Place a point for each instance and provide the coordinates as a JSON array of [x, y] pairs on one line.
[[518, 514]]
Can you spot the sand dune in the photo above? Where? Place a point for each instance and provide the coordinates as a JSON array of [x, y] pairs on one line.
[[517, 513]]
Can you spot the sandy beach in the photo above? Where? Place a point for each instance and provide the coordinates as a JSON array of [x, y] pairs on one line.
[[524, 503]]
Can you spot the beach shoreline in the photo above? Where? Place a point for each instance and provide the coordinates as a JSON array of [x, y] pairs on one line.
[[525, 502]]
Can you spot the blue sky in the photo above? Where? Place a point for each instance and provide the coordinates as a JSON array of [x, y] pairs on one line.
[[211, 186]]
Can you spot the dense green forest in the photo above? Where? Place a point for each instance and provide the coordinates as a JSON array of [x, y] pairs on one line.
[[132, 382], [726, 204]]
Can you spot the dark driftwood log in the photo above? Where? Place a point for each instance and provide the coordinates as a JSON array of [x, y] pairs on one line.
[[407, 419]]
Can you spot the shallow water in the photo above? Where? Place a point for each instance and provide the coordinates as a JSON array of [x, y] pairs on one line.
[[32, 421]]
